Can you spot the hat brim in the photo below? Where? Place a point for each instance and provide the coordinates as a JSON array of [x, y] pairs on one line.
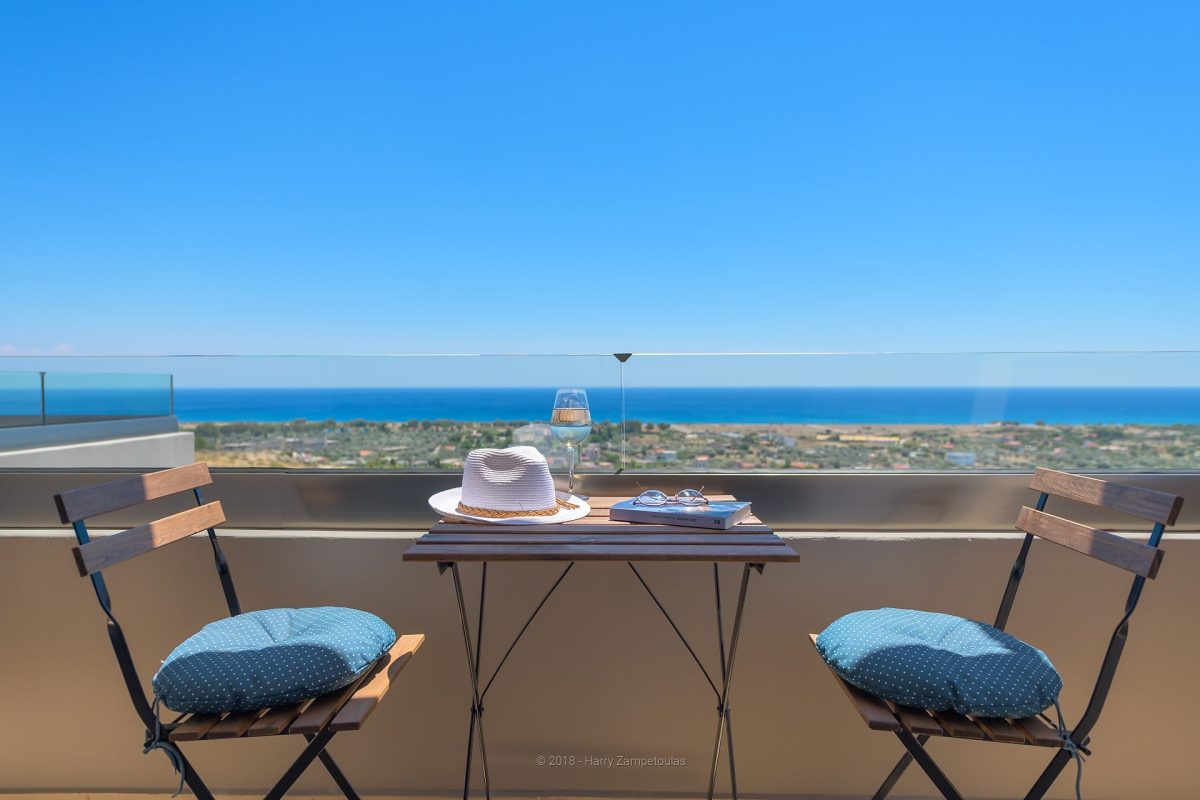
[[446, 505]]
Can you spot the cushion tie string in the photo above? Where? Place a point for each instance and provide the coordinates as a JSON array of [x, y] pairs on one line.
[[154, 741], [1071, 748]]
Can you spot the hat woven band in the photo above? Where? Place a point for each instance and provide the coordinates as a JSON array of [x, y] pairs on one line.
[[494, 514]]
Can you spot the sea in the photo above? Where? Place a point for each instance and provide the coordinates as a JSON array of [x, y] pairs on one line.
[[829, 405], [747, 405]]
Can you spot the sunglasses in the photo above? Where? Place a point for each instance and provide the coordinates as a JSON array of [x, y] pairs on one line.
[[684, 497]]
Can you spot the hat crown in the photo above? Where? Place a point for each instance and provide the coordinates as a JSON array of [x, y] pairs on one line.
[[507, 479]]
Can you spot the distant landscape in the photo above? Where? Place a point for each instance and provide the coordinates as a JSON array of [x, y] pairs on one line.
[[704, 429], [421, 445]]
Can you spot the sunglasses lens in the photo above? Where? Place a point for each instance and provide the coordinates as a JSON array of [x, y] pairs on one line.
[[653, 497], [691, 497]]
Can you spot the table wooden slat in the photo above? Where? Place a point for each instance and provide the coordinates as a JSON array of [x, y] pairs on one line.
[[607, 539], [588, 525], [591, 552], [597, 538]]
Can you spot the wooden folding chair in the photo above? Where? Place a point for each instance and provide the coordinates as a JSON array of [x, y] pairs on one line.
[[914, 726], [317, 719]]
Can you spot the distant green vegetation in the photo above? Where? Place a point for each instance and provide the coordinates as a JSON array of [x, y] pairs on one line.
[[443, 444]]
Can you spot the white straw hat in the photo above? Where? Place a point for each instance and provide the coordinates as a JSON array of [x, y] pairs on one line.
[[510, 486]]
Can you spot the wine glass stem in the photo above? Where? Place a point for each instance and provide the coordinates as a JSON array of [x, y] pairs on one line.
[[570, 470]]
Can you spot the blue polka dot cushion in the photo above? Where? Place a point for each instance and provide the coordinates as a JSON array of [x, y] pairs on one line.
[[270, 658], [940, 662]]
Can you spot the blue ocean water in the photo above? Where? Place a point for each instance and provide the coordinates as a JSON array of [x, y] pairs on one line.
[[717, 405], [881, 405]]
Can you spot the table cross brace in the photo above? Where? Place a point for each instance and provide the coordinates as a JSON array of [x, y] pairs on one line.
[[474, 657], [724, 720], [724, 733]]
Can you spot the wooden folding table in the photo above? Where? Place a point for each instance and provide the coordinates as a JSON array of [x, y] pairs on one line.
[[597, 538]]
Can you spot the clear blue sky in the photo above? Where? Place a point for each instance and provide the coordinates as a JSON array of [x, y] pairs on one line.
[[591, 177]]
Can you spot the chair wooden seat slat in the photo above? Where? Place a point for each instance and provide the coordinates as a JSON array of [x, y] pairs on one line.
[[1038, 733], [277, 720], [999, 729], [368, 696], [320, 712], [194, 727], [882, 715], [234, 724], [344, 710], [315, 719], [956, 726], [918, 721], [913, 727], [873, 711]]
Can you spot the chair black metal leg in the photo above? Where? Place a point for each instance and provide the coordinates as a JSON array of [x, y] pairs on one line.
[[893, 777], [927, 763], [723, 720], [1049, 775], [336, 773], [473, 670], [315, 746], [192, 779]]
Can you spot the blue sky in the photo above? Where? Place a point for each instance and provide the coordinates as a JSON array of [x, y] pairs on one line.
[[590, 177]]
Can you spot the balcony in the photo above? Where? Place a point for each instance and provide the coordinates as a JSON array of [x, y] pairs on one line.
[[600, 675]]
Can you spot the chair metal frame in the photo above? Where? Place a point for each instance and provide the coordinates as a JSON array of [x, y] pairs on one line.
[[1128, 499], [158, 734]]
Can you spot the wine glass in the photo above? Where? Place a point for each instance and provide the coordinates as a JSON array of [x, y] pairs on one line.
[[570, 424]]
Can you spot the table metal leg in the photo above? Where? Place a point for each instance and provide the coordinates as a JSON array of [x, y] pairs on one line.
[[724, 721], [473, 657], [724, 718], [724, 713]]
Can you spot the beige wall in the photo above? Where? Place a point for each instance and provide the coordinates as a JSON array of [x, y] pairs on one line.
[[599, 672]]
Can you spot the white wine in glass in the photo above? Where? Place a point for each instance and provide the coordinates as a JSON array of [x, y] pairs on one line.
[[571, 424]]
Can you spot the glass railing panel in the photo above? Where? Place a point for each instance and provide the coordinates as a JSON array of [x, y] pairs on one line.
[[99, 396], [20, 399], [776, 413], [1080, 411], [418, 413]]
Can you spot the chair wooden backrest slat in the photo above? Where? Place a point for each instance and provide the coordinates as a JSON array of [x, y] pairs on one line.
[[1135, 557], [102, 553], [90, 501], [1148, 504]]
